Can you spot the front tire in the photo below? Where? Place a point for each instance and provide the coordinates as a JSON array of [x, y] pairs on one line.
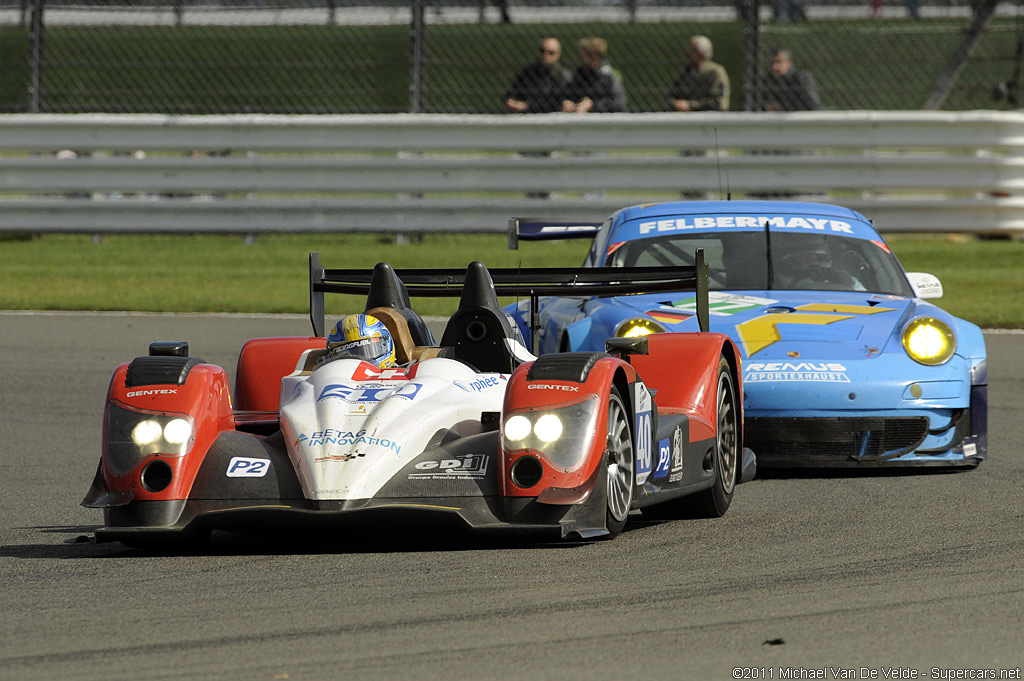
[[618, 462], [715, 501]]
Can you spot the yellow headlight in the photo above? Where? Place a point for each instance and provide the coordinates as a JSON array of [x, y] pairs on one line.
[[638, 327], [929, 341]]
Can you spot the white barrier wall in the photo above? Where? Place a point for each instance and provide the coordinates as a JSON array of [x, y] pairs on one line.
[[908, 171]]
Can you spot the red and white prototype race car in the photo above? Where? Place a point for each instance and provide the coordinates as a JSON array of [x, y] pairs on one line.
[[474, 428]]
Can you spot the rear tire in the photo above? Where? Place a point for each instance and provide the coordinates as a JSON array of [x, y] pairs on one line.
[[618, 463]]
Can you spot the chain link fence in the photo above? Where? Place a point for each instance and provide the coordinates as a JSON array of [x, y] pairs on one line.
[[458, 56]]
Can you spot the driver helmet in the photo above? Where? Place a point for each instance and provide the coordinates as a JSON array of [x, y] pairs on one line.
[[807, 260], [362, 336]]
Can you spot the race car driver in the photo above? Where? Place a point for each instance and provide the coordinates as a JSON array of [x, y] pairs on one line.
[[361, 336]]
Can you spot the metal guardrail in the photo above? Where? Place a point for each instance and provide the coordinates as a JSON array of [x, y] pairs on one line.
[[909, 171]]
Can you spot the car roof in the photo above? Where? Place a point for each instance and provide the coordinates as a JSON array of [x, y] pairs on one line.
[[652, 210]]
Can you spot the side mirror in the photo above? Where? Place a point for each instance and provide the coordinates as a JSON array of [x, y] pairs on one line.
[[925, 285]]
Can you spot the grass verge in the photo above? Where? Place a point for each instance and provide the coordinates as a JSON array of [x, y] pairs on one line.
[[983, 279]]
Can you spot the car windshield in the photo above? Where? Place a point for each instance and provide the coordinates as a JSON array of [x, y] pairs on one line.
[[739, 261]]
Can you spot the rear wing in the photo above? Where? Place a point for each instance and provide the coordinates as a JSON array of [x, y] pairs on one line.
[[533, 229], [526, 282]]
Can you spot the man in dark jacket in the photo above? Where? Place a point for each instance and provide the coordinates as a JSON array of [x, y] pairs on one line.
[[787, 88], [595, 86], [540, 85]]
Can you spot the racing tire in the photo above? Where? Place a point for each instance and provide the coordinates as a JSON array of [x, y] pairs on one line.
[[714, 501], [618, 463]]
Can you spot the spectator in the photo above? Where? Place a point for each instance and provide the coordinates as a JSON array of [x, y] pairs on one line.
[[540, 85], [596, 86], [703, 85], [788, 88]]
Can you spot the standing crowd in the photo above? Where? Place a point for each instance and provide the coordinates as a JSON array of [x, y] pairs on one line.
[[545, 85]]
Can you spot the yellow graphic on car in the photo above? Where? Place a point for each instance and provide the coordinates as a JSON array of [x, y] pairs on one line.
[[760, 332]]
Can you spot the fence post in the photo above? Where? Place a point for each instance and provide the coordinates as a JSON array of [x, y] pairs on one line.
[[418, 39], [751, 54], [35, 62]]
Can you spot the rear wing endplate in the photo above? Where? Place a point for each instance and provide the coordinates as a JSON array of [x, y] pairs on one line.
[[534, 229]]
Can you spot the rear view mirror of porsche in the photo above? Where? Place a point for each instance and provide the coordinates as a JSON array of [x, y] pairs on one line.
[[925, 285]]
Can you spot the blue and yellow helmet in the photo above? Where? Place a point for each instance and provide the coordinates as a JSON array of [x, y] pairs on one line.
[[362, 336]]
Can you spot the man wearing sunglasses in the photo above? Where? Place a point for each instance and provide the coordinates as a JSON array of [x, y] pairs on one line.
[[539, 86]]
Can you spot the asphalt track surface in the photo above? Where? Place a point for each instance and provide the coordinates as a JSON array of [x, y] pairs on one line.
[[812, 572]]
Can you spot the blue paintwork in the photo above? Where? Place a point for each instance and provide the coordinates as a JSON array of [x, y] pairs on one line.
[[806, 353]]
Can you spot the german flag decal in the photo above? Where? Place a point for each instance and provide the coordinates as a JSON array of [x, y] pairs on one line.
[[668, 316]]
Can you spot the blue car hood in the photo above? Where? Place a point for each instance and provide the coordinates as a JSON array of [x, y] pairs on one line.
[[791, 324]]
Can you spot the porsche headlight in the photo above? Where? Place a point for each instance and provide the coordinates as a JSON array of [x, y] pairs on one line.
[[638, 326], [563, 435], [929, 341], [132, 435]]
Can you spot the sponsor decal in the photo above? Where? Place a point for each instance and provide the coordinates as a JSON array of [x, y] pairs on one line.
[[346, 438], [677, 456], [816, 372], [761, 332], [408, 391], [368, 372], [745, 222], [244, 467], [560, 229], [370, 393], [340, 458], [480, 384], [552, 386], [365, 393], [144, 393], [642, 428], [465, 467], [668, 316], [724, 304], [664, 459]]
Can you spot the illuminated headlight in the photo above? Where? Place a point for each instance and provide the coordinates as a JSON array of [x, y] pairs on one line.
[[146, 432], [178, 431], [929, 341], [132, 435], [562, 435], [638, 327], [517, 427], [548, 428]]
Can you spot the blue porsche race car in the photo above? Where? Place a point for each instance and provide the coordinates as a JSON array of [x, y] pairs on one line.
[[844, 361]]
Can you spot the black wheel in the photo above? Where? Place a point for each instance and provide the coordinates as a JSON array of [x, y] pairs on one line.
[[618, 461], [714, 501]]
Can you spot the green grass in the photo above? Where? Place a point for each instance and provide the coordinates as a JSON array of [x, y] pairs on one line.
[[983, 279]]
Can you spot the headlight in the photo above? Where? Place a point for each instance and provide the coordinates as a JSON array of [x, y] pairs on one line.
[[929, 341], [638, 327], [562, 435], [132, 435], [548, 428], [517, 427]]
